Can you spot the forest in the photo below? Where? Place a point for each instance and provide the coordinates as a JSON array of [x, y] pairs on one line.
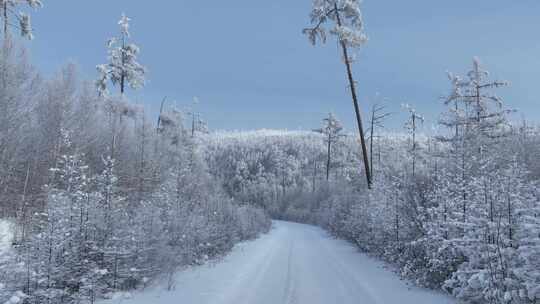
[[97, 195]]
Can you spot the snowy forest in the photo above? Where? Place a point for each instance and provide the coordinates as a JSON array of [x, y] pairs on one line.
[[98, 195]]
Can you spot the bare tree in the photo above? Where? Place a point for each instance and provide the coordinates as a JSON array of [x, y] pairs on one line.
[[197, 124], [378, 115], [412, 126], [331, 130]]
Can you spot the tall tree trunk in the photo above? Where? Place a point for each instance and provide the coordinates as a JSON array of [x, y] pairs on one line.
[[328, 158], [5, 43], [355, 103], [23, 205], [413, 144], [141, 158], [6, 21], [123, 75], [113, 130], [314, 176], [193, 125], [371, 141]]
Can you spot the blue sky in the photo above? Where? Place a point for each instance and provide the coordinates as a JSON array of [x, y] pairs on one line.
[[251, 67]]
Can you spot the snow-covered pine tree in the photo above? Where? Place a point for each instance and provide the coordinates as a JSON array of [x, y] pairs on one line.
[[479, 210], [442, 226], [499, 225], [348, 27], [122, 68], [113, 231], [74, 183], [528, 236], [477, 114], [476, 121]]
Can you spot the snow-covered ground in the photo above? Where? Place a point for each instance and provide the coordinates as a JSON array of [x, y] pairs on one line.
[[294, 263]]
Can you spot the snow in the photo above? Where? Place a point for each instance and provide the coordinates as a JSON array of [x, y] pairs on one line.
[[16, 298], [124, 24], [294, 263], [6, 236]]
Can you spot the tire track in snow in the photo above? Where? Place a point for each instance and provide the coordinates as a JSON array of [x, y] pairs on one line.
[[289, 296], [349, 280], [242, 288]]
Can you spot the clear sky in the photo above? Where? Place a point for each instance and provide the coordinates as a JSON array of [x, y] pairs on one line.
[[251, 67]]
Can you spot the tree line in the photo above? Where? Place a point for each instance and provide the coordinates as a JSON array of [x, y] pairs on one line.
[[100, 197], [456, 210]]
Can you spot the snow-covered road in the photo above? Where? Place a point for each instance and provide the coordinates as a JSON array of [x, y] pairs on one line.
[[294, 263]]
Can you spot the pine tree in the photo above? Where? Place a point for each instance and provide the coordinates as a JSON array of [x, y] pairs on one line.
[[123, 69], [529, 246], [476, 114], [349, 30]]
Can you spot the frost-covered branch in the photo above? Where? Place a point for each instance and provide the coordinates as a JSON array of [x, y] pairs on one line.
[[346, 18], [9, 11]]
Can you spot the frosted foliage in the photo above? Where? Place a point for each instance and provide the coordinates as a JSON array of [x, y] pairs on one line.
[[26, 26], [124, 25], [473, 90], [412, 112], [346, 21], [466, 222], [474, 110], [23, 19], [101, 199], [331, 129], [30, 3]]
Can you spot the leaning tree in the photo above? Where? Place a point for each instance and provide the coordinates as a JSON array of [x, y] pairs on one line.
[[345, 19]]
